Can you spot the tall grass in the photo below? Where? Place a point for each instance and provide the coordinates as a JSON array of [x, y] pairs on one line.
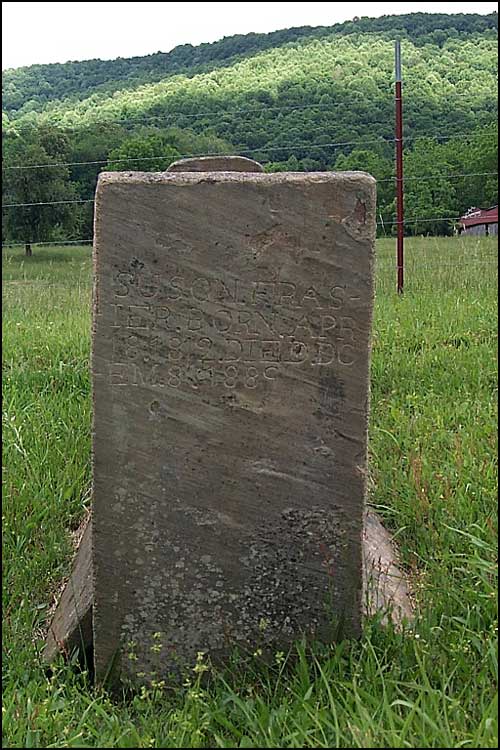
[[432, 476]]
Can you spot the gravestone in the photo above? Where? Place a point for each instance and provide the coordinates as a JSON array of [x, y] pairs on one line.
[[231, 344], [230, 376]]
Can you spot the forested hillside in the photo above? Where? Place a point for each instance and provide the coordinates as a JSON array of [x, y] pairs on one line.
[[299, 99], [29, 89]]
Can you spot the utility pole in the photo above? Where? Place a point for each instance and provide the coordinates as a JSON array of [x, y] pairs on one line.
[[399, 167]]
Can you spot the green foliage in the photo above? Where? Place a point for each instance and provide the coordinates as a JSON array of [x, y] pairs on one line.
[[433, 477], [142, 154], [30, 89], [443, 190], [153, 150], [35, 223], [110, 147], [300, 100]]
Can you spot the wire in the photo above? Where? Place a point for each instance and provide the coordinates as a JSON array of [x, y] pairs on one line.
[[416, 266], [390, 179], [193, 115], [440, 176], [413, 219], [48, 203], [16, 243], [419, 220], [359, 99], [382, 140]]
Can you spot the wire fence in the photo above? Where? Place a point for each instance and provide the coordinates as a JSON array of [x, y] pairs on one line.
[[412, 220], [274, 150], [243, 152], [389, 179]]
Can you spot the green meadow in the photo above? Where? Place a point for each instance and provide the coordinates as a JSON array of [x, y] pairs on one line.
[[433, 479]]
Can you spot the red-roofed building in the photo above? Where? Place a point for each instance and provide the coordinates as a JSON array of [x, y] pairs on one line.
[[479, 221]]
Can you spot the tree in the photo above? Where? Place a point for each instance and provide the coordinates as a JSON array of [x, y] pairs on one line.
[[46, 185], [89, 154], [299, 99], [430, 190]]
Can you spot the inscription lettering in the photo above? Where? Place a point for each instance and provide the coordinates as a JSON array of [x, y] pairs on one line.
[[252, 330], [138, 279]]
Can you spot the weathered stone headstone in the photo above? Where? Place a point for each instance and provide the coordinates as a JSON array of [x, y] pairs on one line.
[[231, 341]]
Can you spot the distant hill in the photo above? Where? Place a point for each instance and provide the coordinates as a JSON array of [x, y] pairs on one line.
[[40, 84], [297, 99]]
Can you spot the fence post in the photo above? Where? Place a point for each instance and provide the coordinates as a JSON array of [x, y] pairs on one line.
[[399, 167]]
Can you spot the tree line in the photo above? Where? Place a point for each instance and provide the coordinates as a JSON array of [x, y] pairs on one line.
[[298, 100]]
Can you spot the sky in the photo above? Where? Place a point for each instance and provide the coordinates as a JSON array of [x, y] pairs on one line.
[[43, 32]]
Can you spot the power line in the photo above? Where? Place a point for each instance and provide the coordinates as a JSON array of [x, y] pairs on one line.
[[382, 140], [262, 149], [419, 220], [48, 203], [425, 266], [358, 98], [390, 179], [193, 115], [16, 243], [441, 176], [413, 219]]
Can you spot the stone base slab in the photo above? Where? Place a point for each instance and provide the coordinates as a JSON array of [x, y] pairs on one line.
[[385, 590]]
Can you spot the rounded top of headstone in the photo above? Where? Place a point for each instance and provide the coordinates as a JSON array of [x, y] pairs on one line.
[[216, 164]]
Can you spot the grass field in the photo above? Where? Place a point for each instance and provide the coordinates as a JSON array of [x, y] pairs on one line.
[[432, 477]]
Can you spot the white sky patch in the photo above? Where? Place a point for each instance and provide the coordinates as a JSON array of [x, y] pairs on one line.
[[57, 32]]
